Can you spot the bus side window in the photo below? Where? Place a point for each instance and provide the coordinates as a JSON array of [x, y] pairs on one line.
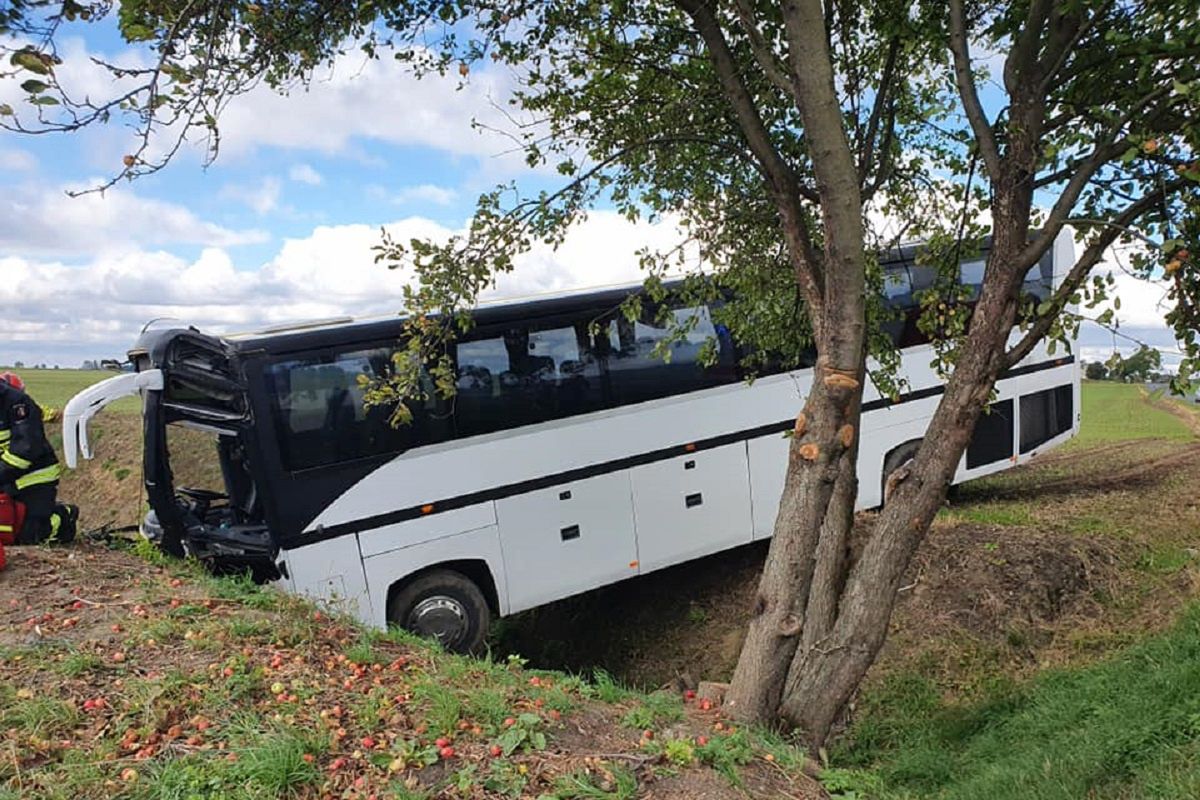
[[1039, 280], [525, 374], [321, 418], [638, 371]]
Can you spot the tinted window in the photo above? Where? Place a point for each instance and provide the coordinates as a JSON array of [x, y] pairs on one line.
[[1045, 415], [1039, 281], [970, 275], [525, 374], [638, 370], [902, 284], [993, 437], [320, 417]]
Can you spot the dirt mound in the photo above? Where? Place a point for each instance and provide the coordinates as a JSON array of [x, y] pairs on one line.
[[992, 580]]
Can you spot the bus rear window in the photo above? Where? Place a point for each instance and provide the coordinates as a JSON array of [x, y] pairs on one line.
[[320, 416]]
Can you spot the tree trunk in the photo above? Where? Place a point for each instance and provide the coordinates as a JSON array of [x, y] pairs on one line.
[[817, 506], [818, 472], [829, 665]]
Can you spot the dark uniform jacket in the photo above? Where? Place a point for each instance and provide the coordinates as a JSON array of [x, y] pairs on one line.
[[26, 457]]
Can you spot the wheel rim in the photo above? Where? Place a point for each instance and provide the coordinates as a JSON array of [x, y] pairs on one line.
[[440, 617]]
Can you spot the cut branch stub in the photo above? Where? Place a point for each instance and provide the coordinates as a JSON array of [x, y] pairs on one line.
[[846, 435], [790, 625], [841, 380], [801, 425], [810, 451]]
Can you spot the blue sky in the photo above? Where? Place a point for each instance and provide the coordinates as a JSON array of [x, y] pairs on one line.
[[281, 226]]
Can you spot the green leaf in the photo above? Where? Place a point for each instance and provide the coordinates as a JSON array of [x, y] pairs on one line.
[[33, 86], [5, 110], [511, 739], [28, 59], [44, 100]]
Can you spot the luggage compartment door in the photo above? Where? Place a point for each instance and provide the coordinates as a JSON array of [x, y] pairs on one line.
[[692, 505], [567, 539]]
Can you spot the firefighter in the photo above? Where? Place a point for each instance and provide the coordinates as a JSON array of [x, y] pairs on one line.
[[29, 469]]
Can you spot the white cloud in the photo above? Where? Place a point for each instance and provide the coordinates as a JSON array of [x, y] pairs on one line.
[[357, 100], [59, 313], [378, 100], [425, 193], [13, 159], [42, 220], [262, 198], [303, 173]]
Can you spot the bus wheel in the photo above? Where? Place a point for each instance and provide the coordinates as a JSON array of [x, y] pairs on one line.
[[443, 605]]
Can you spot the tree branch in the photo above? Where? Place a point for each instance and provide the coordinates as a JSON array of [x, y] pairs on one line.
[[1022, 57], [1113, 229], [784, 184], [772, 67], [837, 182], [867, 146], [1060, 51], [964, 78], [1105, 151]]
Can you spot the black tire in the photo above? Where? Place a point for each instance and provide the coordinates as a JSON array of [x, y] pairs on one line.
[[897, 459], [446, 595]]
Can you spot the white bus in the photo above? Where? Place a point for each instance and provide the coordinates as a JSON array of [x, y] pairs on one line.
[[571, 456]]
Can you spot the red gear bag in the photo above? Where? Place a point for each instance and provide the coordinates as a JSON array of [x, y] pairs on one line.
[[12, 517]]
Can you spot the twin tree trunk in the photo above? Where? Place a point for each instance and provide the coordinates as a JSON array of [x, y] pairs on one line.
[[818, 621]]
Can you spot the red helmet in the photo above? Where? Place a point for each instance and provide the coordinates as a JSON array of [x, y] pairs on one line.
[[13, 380]]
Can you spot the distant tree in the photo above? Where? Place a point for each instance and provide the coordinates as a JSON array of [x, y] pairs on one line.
[[1138, 367], [1096, 371], [19, 365], [88, 364]]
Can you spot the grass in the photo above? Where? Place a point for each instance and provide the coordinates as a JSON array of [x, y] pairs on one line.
[[1125, 727], [1118, 713], [1118, 412], [989, 514], [52, 388], [180, 685]]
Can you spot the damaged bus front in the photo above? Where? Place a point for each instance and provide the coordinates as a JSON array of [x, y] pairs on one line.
[[188, 380]]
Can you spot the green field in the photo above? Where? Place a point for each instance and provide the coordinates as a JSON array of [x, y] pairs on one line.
[[54, 387], [1118, 412]]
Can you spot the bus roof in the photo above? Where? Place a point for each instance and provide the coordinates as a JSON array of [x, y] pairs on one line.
[[330, 331], [315, 333]]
